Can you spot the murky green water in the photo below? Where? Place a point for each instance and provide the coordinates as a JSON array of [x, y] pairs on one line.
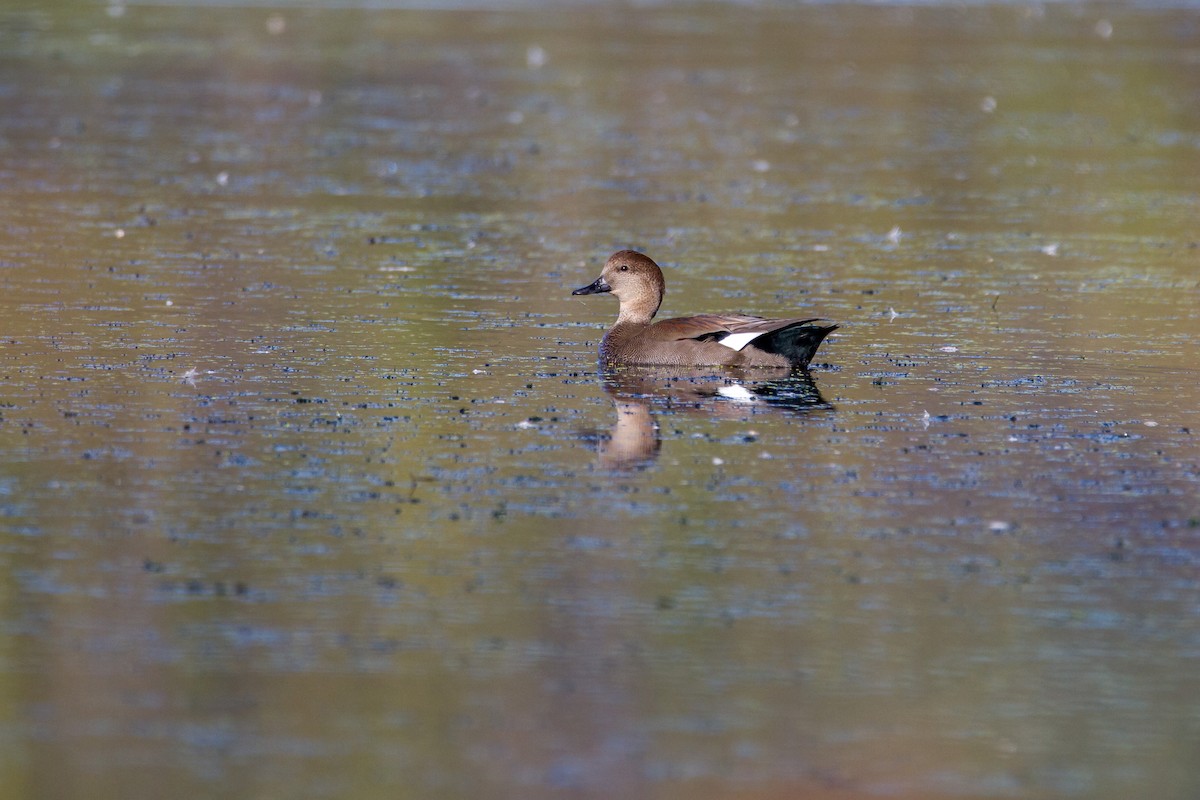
[[311, 486]]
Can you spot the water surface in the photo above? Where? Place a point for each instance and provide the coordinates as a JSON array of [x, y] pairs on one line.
[[311, 485]]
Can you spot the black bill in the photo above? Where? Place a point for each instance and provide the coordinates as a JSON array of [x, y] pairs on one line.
[[600, 285]]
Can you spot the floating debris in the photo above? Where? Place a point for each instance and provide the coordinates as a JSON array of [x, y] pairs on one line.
[[895, 234], [535, 56], [1050, 249], [988, 104]]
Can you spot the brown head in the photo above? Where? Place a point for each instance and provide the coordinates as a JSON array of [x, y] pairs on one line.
[[635, 280]]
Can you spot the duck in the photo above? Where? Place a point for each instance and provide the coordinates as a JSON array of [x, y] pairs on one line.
[[704, 340]]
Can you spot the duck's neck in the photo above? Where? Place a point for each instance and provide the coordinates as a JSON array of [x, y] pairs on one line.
[[638, 311]]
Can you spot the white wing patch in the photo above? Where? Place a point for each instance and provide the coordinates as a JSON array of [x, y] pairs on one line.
[[736, 341]]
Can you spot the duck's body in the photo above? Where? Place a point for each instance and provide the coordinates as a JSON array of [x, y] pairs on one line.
[[705, 340]]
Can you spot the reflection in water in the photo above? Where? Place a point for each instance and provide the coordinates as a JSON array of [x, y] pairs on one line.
[[634, 440]]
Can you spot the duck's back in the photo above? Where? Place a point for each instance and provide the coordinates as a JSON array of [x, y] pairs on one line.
[[716, 340]]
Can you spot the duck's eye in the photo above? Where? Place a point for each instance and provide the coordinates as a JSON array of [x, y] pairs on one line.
[[624, 268]]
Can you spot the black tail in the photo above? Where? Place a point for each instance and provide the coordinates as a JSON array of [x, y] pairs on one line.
[[797, 343]]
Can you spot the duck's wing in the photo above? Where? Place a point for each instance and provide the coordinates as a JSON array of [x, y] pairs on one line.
[[704, 327], [734, 331]]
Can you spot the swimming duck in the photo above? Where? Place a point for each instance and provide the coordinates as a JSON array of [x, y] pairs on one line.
[[703, 340]]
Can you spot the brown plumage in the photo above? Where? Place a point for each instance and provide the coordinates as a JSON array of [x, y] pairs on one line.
[[703, 340]]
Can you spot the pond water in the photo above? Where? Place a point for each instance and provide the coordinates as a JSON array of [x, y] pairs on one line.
[[311, 486]]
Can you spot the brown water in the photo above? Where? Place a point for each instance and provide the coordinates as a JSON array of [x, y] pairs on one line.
[[311, 486]]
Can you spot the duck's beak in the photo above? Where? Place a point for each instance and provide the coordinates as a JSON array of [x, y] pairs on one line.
[[600, 285]]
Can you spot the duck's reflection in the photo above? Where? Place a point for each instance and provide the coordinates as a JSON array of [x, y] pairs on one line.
[[634, 440]]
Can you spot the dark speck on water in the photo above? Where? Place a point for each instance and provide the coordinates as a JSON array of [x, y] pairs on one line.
[[311, 485]]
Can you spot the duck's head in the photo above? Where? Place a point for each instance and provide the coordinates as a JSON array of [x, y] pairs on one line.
[[635, 280]]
